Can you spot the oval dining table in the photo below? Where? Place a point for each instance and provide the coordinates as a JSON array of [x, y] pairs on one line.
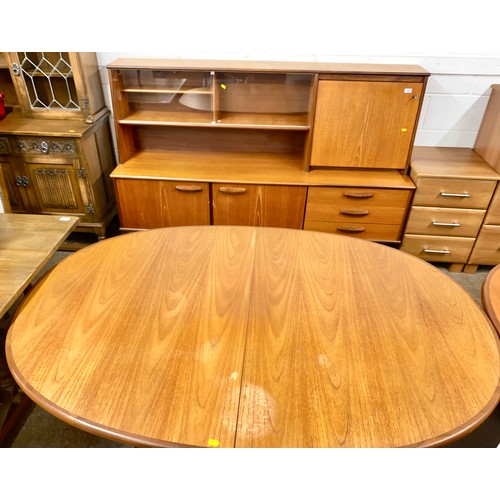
[[225, 336]]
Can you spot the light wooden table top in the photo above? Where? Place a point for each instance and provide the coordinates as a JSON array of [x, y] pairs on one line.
[[27, 242], [255, 337], [490, 296]]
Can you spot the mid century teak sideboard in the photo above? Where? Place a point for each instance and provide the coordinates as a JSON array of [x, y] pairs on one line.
[[316, 146]]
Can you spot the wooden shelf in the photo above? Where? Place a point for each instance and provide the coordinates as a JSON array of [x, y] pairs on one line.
[[204, 119], [162, 90], [250, 168]]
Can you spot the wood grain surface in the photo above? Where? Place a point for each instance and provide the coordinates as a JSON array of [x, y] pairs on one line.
[[27, 242], [255, 337], [490, 296]]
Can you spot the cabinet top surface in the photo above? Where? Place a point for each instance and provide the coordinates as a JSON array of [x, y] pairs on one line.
[[450, 162], [277, 66], [15, 123]]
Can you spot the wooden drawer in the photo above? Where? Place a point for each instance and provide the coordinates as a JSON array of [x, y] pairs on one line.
[[456, 193], [375, 232], [45, 146], [487, 248], [445, 221], [4, 146], [358, 206], [493, 214], [438, 248]]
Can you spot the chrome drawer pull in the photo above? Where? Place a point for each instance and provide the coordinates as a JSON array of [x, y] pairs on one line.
[[455, 195], [446, 224], [441, 252]]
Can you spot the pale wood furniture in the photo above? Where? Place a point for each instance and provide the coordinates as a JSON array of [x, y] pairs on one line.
[[255, 337], [455, 187], [56, 151], [490, 296], [486, 251], [265, 143], [27, 242]]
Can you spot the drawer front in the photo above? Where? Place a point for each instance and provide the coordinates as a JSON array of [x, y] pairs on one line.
[[493, 214], [45, 146], [149, 204], [4, 146], [456, 193], [445, 221], [438, 248], [258, 205], [487, 248], [374, 232], [357, 206]]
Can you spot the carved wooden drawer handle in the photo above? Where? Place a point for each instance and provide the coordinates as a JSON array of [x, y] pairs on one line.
[[232, 190], [190, 189], [353, 211], [351, 229], [358, 194]]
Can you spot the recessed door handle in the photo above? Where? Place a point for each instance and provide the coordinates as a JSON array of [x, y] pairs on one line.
[[358, 194], [189, 189], [354, 212], [351, 229], [232, 190]]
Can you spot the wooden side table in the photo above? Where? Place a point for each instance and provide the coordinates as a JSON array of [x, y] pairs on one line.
[[27, 242]]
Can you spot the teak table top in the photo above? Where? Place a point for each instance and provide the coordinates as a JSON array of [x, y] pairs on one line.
[[27, 242], [255, 337]]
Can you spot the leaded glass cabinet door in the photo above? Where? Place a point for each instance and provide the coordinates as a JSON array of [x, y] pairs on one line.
[[59, 85]]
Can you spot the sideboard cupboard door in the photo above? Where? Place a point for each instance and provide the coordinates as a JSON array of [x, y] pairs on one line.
[[366, 124], [148, 204], [259, 205]]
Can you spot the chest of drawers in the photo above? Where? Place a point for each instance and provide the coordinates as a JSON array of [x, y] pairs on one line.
[[455, 187]]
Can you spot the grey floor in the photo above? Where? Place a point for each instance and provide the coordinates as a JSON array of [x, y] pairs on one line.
[[42, 430]]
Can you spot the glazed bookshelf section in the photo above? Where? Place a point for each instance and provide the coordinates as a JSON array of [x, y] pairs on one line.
[[246, 143], [233, 101]]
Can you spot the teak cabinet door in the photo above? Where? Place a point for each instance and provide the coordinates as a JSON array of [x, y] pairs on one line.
[[258, 205], [148, 204], [365, 124]]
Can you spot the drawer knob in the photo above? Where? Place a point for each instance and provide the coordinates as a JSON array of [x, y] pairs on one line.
[[446, 224], [440, 252], [44, 146], [455, 195]]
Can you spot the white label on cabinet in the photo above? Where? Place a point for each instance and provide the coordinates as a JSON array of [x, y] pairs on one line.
[[408, 91]]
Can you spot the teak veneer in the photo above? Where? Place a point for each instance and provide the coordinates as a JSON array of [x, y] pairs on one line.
[[264, 124], [255, 337]]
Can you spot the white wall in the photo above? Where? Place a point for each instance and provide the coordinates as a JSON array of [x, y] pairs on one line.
[[455, 100], [457, 42]]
